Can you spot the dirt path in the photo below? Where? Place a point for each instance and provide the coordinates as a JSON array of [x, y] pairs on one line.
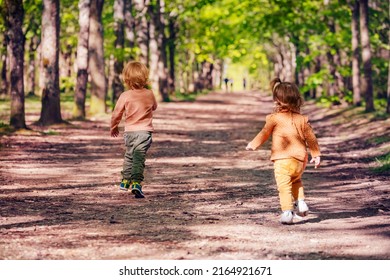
[[206, 197]]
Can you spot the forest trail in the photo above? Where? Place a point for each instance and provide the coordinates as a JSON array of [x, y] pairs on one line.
[[206, 197]]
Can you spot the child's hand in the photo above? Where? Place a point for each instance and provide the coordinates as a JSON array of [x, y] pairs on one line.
[[115, 132], [316, 161], [249, 147]]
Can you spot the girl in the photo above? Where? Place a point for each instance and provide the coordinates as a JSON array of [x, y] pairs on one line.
[[291, 132]]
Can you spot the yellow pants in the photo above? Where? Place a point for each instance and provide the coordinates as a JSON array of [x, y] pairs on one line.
[[288, 174]]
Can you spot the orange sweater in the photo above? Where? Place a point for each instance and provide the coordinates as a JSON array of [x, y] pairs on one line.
[[290, 134], [138, 106]]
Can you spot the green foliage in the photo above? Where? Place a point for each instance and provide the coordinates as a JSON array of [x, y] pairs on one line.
[[67, 84], [69, 14], [245, 35], [328, 101], [314, 80], [32, 18]]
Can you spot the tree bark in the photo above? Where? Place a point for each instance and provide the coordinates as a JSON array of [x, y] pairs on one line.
[[388, 84], [66, 62], [367, 87], [96, 59], [129, 25], [14, 17], [119, 21], [162, 60], [355, 55], [82, 60], [31, 66], [51, 110], [4, 64], [172, 53], [154, 50], [142, 29]]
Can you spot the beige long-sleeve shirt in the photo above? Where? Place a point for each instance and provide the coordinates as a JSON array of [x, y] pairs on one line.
[[291, 133], [137, 106]]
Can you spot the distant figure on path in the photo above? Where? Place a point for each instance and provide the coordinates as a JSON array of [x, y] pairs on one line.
[[138, 104], [290, 132], [244, 83], [226, 80], [231, 85]]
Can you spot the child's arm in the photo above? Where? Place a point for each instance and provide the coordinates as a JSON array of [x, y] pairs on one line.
[[312, 142], [263, 135], [117, 116], [155, 103]]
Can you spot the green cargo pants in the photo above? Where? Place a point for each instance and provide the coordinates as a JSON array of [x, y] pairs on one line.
[[137, 144]]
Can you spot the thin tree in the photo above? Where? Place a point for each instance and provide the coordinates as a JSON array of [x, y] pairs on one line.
[[4, 56], [142, 29], [162, 42], [96, 59], [32, 48], [82, 60], [119, 29], [388, 84], [14, 22], [355, 54], [367, 87], [172, 26], [154, 49], [129, 25]]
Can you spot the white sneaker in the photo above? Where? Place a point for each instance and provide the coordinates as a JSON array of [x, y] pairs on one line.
[[302, 209], [287, 217]]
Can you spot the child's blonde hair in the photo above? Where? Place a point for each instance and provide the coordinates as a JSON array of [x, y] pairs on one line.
[[135, 75], [286, 96]]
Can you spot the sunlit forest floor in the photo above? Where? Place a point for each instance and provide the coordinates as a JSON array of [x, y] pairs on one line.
[[206, 197]]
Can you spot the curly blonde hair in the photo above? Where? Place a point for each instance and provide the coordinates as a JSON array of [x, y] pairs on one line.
[[286, 96], [135, 75]]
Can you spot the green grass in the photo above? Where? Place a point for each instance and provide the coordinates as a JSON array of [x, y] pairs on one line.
[[379, 139], [33, 105], [384, 164], [51, 132], [179, 96], [5, 128]]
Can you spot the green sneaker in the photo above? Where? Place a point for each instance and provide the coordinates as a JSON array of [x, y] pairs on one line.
[[136, 189], [125, 185]]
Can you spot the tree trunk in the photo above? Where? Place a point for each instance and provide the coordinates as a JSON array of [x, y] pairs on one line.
[[317, 68], [207, 75], [162, 60], [66, 62], [111, 71], [129, 25], [119, 20], [355, 55], [31, 66], [82, 60], [4, 62], [51, 110], [388, 86], [96, 59], [154, 50], [367, 87], [172, 53], [332, 85], [15, 14], [142, 29]]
